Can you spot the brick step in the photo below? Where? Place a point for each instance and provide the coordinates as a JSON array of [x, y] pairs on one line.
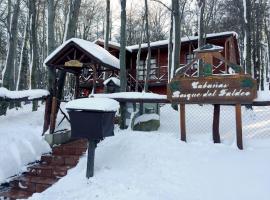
[[77, 143], [68, 150], [60, 160], [52, 171], [14, 194], [44, 174], [32, 183]]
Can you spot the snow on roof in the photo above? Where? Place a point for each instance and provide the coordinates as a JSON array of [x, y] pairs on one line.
[[96, 104], [111, 43], [209, 48], [30, 94], [183, 39], [113, 79], [131, 95], [93, 49]]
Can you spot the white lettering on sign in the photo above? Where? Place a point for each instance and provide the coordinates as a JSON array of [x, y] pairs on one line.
[[234, 93], [206, 85]]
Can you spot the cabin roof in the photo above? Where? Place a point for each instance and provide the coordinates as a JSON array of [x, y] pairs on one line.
[[114, 45], [93, 51], [183, 40], [209, 48]]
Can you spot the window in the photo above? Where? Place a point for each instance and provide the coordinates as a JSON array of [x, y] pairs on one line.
[[142, 69], [189, 59]]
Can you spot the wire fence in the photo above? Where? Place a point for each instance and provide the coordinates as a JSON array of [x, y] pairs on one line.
[[199, 120]]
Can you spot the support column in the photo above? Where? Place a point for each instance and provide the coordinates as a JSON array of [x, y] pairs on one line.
[[183, 122]]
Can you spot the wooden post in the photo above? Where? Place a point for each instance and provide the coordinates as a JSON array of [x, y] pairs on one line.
[[238, 117], [215, 129], [122, 115], [94, 78], [90, 158], [47, 114], [183, 122], [53, 115], [77, 86]]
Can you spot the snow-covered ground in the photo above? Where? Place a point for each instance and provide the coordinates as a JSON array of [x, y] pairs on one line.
[[20, 140], [157, 165]]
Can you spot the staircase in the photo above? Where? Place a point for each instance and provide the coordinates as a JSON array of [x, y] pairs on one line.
[[48, 171]]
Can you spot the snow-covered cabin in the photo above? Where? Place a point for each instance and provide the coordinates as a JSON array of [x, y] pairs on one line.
[[159, 57]]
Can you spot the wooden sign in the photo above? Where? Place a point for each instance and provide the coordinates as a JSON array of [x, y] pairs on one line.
[[73, 63], [227, 89]]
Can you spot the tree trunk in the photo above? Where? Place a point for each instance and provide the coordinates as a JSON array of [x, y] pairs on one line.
[[170, 46], [123, 74], [8, 71], [107, 30], [201, 4], [148, 58], [176, 37], [34, 42], [247, 40], [22, 83]]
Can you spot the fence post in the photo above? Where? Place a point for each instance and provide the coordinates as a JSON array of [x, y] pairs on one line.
[[238, 117], [183, 122], [215, 129]]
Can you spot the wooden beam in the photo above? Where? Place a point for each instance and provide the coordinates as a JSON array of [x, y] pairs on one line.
[[238, 117], [53, 115], [215, 129], [47, 115], [183, 122]]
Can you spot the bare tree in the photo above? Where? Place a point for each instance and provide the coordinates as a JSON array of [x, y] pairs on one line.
[[176, 37], [22, 82], [107, 30], [201, 5], [34, 46], [123, 83], [8, 72], [148, 58]]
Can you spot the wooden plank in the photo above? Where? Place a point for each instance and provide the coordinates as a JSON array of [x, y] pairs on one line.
[[216, 119], [183, 122], [238, 117], [53, 115]]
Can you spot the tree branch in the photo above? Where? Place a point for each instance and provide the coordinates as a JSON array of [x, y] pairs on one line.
[[158, 1]]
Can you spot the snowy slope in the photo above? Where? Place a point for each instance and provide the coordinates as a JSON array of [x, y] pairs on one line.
[[20, 140], [158, 166]]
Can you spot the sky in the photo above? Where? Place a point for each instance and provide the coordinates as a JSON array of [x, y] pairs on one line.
[[115, 9]]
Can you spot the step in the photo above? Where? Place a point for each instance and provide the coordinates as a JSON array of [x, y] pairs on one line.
[[60, 160], [77, 143], [32, 183], [16, 194], [68, 150], [48, 170]]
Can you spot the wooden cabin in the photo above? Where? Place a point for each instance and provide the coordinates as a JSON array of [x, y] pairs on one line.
[[159, 58]]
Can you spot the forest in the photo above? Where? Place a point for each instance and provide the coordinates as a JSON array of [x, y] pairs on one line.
[[31, 29]]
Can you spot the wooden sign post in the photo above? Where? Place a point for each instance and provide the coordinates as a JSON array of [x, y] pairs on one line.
[[217, 90]]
